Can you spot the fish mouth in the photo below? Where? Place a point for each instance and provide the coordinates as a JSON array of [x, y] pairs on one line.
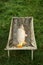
[[20, 45]]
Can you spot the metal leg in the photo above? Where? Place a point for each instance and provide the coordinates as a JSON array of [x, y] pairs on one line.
[[8, 53], [32, 54]]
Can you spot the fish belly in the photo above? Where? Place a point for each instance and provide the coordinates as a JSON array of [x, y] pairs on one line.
[[21, 36]]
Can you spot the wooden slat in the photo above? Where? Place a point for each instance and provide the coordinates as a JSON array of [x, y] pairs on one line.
[[9, 33], [23, 48], [33, 34]]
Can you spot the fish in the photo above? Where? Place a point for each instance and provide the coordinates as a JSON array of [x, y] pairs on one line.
[[21, 35]]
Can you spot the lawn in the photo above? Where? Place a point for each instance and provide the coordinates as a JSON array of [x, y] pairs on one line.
[[19, 8]]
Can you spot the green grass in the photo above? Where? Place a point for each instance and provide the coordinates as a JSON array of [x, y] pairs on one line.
[[10, 8]]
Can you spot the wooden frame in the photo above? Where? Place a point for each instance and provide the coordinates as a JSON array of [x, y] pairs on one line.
[[34, 47]]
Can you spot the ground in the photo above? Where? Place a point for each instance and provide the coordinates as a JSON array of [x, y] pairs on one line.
[[11, 8]]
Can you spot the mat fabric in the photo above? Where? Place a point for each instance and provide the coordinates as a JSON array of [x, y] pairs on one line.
[[16, 24]]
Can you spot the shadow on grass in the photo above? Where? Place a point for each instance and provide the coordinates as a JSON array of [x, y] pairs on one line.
[[21, 58]]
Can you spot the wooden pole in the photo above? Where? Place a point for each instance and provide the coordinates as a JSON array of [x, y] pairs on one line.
[[32, 54], [8, 53]]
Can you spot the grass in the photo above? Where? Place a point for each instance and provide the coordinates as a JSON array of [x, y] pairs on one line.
[[10, 8]]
